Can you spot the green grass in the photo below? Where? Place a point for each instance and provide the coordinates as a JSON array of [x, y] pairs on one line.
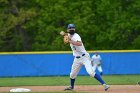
[[64, 80]]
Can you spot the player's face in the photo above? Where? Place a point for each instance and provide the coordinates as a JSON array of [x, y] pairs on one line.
[[71, 31]]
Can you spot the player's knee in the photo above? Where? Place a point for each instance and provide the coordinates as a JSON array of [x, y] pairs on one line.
[[72, 76], [92, 74]]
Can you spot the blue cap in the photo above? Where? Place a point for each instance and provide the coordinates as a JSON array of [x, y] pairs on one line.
[[71, 26]]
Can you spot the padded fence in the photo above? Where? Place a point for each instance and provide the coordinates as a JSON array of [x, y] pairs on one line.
[[57, 64]]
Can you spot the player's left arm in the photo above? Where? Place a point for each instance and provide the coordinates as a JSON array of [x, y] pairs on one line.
[[77, 43]]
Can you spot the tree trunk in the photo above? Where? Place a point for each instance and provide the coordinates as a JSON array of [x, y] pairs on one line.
[[21, 31]]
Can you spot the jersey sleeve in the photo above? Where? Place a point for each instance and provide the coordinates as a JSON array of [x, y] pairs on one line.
[[77, 38]]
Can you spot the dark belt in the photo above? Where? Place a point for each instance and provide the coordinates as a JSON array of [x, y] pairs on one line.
[[79, 56]]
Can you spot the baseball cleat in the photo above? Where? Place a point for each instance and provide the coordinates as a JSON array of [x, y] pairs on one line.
[[68, 88], [106, 87]]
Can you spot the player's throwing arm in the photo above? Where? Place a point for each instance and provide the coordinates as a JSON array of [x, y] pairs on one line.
[[66, 38]]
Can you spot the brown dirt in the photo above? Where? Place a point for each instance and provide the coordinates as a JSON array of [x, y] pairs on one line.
[[90, 89]]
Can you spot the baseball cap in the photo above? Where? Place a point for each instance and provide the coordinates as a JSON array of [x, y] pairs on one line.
[[70, 26]]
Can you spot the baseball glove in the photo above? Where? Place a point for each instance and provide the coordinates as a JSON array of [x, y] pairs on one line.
[[66, 39]]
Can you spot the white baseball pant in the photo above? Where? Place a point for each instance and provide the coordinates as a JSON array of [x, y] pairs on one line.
[[78, 63]]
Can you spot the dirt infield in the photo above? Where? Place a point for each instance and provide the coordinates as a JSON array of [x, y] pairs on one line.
[[90, 89]]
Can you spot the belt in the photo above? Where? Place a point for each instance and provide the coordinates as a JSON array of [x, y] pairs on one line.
[[79, 56]]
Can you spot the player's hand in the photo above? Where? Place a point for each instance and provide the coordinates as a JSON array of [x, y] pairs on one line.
[[65, 37], [62, 33]]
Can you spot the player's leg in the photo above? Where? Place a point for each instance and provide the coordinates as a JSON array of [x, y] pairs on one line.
[[100, 70], [91, 72], [88, 67], [94, 67], [76, 66]]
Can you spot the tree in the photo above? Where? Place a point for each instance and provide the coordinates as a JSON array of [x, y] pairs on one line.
[[13, 17], [34, 25]]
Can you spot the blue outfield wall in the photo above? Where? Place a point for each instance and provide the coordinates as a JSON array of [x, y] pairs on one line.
[[51, 64]]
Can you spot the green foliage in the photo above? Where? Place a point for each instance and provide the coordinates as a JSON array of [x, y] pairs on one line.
[[34, 25]]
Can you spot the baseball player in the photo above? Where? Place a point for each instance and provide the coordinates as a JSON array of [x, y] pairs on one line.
[[81, 57], [96, 63]]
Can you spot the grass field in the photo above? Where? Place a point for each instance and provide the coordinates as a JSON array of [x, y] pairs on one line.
[[64, 80]]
